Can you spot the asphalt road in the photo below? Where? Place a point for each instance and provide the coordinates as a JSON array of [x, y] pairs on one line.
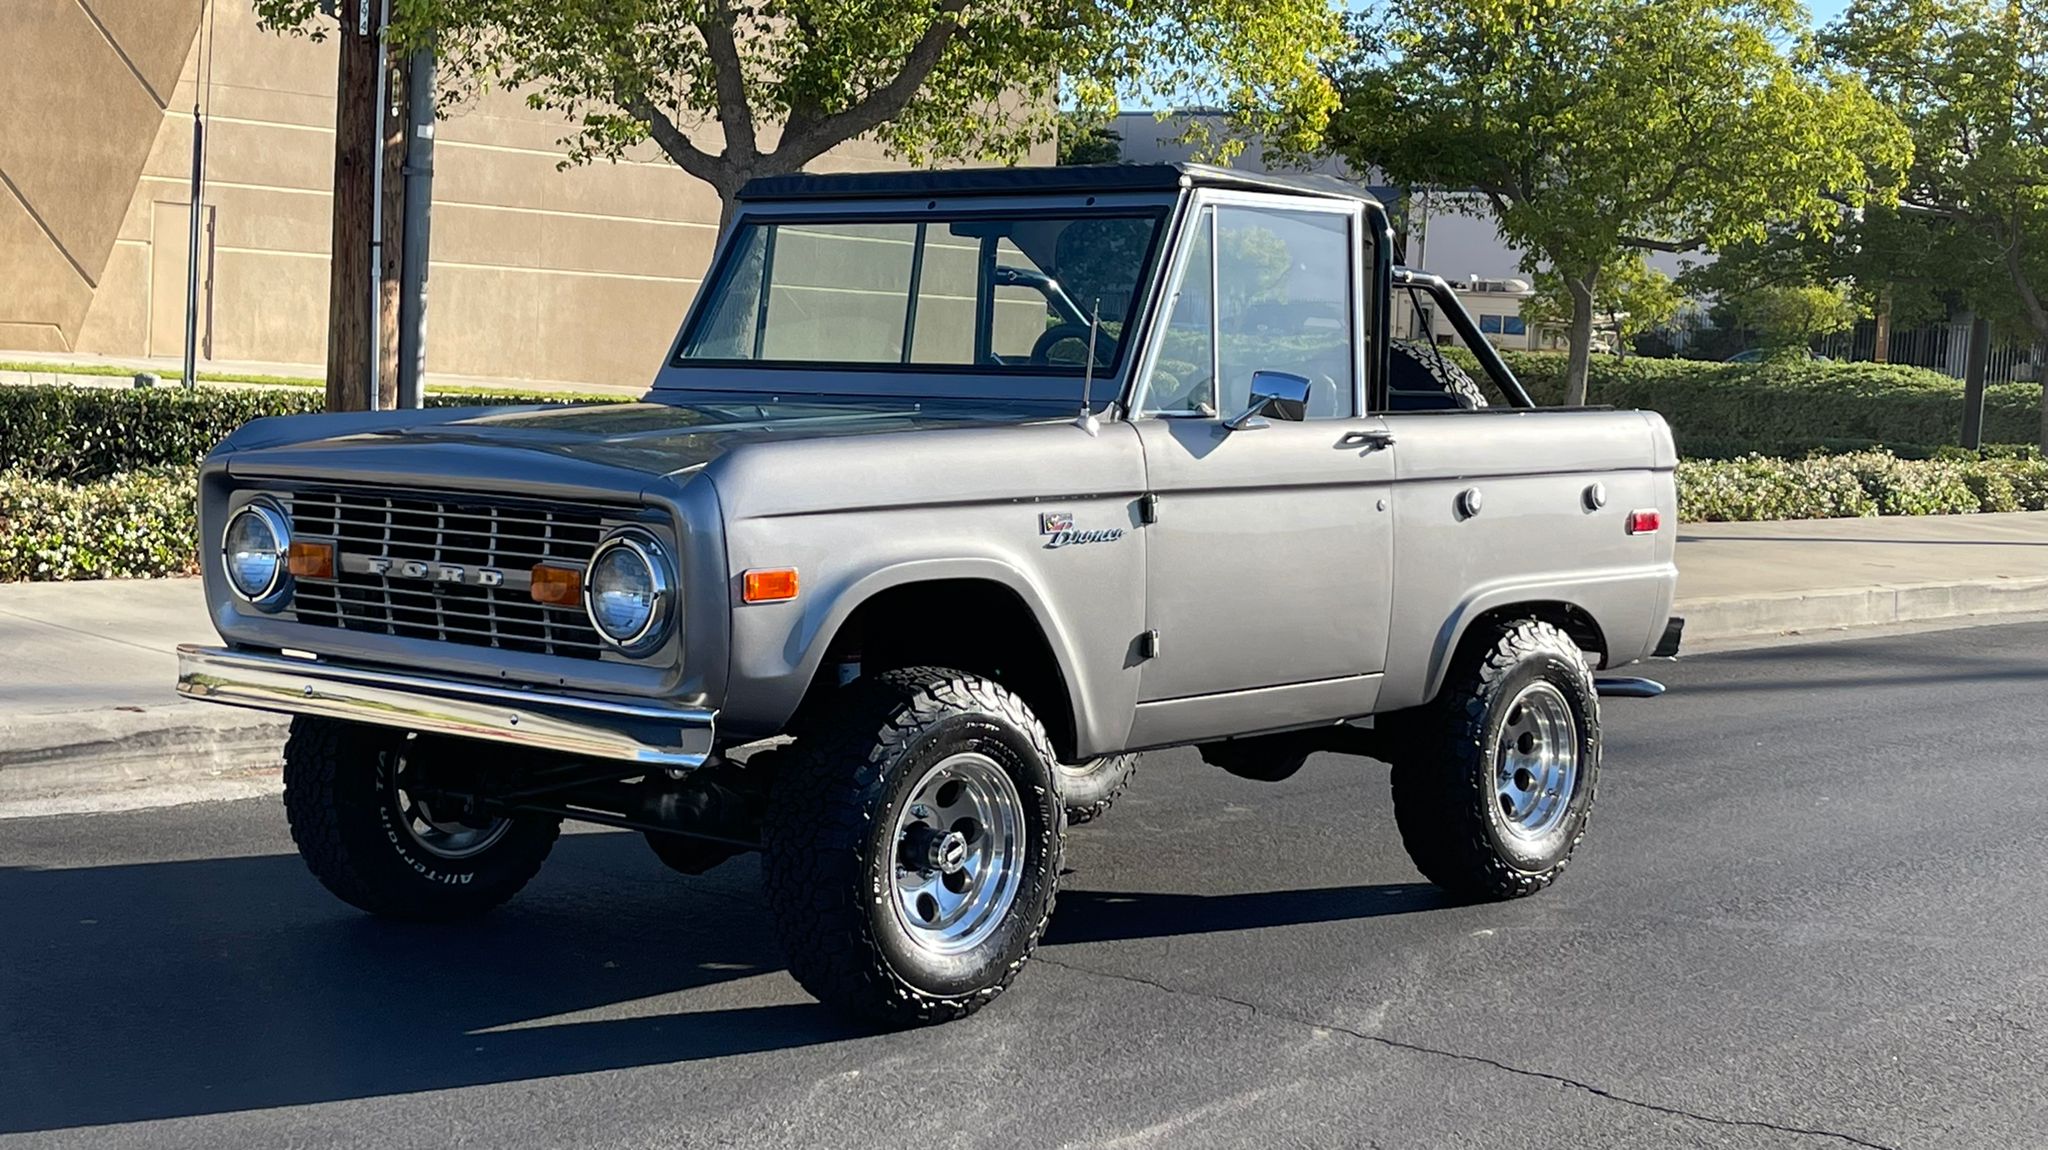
[[1809, 913]]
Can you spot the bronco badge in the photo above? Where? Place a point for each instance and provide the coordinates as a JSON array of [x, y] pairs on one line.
[[1059, 525]]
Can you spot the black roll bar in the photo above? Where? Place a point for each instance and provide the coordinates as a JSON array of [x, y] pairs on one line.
[[1453, 308]]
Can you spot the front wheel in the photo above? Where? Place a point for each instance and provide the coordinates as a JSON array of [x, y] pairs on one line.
[[911, 846], [1494, 781], [372, 825], [1089, 788]]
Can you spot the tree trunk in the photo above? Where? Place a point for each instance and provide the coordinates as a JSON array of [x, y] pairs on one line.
[[348, 284], [390, 286], [1881, 348], [1581, 354]]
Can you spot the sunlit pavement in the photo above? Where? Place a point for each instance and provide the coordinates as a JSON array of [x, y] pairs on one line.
[[1808, 912]]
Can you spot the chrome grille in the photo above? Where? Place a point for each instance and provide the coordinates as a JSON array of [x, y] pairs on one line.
[[443, 532]]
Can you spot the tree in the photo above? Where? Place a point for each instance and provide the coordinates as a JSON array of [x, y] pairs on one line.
[[1592, 127], [1633, 298], [734, 89], [1970, 79], [1088, 140], [1789, 317]]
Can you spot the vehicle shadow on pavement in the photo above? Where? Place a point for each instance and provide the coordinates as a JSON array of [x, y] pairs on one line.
[[1116, 916], [171, 989]]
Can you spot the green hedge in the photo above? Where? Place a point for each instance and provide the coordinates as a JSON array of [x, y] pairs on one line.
[[86, 433], [1860, 483], [1722, 410], [130, 526]]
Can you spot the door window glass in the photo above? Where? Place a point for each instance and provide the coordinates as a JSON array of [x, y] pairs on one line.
[[1283, 303]]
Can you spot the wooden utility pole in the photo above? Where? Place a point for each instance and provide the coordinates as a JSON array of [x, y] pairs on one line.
[[356, 117], [391, 246]]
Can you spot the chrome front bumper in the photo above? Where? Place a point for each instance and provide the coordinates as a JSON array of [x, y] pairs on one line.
[[651, 733]]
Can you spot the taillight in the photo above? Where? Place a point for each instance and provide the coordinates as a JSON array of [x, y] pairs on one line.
[[1644, 522]]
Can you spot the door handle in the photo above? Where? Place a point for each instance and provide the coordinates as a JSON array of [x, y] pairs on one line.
[[1370, 440]]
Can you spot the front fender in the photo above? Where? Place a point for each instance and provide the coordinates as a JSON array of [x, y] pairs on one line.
[[775, 661]]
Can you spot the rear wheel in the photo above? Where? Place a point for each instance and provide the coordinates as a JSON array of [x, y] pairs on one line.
[[369, 818], [1494, 782], [912, 846]]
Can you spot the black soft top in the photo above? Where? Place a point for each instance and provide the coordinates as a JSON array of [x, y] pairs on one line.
[[1077, 178]]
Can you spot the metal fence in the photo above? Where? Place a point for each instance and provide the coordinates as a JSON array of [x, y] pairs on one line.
[[1944, 347]]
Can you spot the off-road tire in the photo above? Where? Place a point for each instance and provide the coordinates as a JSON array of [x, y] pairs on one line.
[[1445, 798], [339, 803], [1414, 362], [1089, 789], [829, 843]]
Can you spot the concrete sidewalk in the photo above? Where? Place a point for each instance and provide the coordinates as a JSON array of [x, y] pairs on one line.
[[87, 707]]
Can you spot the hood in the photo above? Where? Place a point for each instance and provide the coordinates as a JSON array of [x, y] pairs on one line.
[[646, 438]]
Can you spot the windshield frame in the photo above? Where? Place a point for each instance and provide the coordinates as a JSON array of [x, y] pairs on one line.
[[1027, 382]]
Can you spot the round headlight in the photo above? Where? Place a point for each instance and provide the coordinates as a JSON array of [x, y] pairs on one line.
[[253, 553], [627, 590]]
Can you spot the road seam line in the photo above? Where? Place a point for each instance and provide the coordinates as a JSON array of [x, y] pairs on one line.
[[1479, 1059]]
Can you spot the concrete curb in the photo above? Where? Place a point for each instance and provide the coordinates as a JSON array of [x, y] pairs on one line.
[[53, 761], [1740, 616]]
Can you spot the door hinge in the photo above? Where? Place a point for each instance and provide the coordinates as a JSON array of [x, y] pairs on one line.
[[1148, 507], [1148, 645]]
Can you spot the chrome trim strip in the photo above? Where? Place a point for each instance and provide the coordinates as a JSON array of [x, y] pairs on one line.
[[650, 733]]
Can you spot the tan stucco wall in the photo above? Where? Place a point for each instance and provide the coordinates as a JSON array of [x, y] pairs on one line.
[[83, 93], [579, 275]]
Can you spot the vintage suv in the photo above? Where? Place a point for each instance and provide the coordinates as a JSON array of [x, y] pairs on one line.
[[956, 490]]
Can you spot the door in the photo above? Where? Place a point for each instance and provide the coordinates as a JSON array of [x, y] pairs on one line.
[[1268, 566], [169, 249]]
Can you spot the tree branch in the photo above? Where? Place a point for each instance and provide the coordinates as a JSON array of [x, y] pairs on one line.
[[689, 157], [734, 113], [1673, 247], [805, 138]]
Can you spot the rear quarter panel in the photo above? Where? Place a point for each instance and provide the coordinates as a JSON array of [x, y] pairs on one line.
[[1537, 535]]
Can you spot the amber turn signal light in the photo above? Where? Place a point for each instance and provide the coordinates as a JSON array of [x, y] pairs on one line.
[[768, 585], [556, 586], [310, 560]]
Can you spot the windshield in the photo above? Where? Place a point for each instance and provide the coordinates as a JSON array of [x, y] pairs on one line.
[[1010, 293]]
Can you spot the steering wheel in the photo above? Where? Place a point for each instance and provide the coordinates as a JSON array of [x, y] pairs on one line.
[[1105, 344]]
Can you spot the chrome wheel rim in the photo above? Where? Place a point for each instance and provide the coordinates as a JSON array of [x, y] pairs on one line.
[[444, 838], [1536, 762], [959, 854]]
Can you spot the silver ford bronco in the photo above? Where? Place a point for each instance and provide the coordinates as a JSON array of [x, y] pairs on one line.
[[955, 492]]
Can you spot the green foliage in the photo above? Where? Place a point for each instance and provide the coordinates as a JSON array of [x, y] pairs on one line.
[[1788, 408], [1970, 79], [1088, 140], [136, 525], [1594, 126], [1789, 317], [1632, 298], [932, 80], [86, 433], [1861, 483]]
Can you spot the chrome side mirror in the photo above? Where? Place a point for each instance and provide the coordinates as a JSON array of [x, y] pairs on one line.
[[1280, 394]]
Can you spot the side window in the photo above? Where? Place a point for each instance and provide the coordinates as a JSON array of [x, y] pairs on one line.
[[1283, 303], [1183, 377]]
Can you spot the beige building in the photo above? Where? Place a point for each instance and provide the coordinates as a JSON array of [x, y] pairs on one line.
[[577, 275]]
